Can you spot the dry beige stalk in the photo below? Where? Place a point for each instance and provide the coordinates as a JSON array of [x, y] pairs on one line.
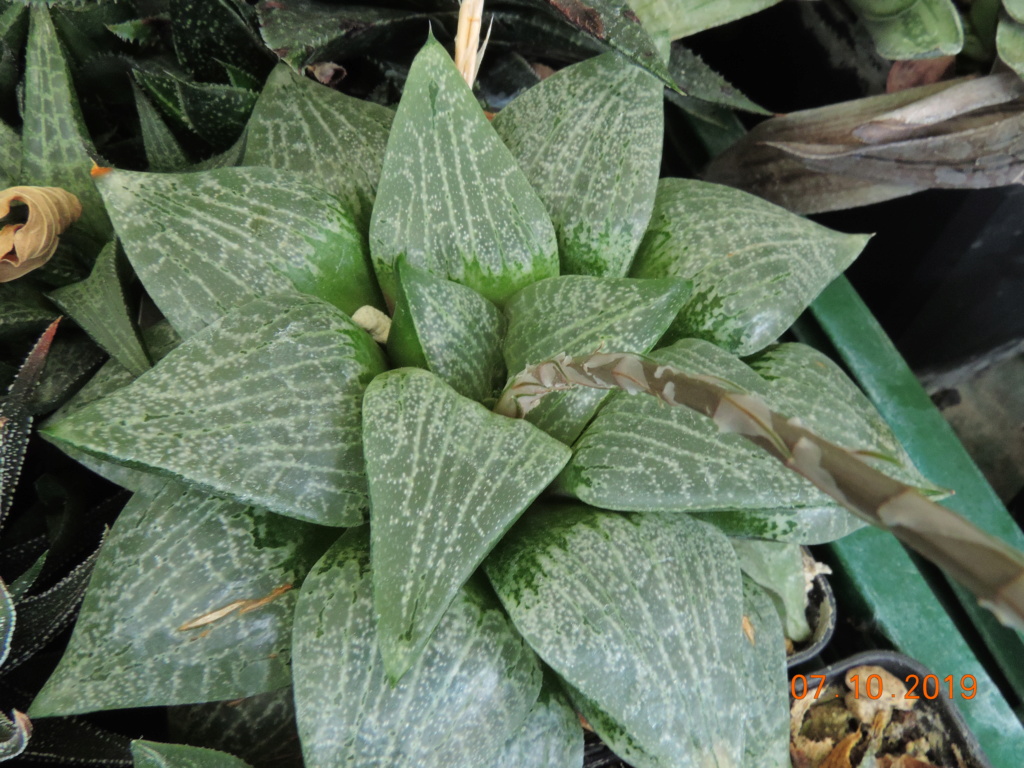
[[468, 53], [28, 246]]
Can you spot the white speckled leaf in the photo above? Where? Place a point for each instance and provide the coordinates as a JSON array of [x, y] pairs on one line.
[[577, 314], [641, 616], [640, 456], [451, 329], [10, 155], [339, 141], [163, 151], [469, 693], [451, 196], [56, 149], [681, 18], [766, 744], [203, 243], [262, 407], [447, 479], [755, 266], [170, 558], [778, 568], [551, 737], [589, 140], [7, 619], [153, 754]]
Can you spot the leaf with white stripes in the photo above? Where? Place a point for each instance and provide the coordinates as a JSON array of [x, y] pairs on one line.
[[451, 198], [755, 266], [551, 737], [173, 613], [459, 704], [262, 407], [766, 725], [449, 329], [578, 314], [593, 121], [447, 479], [153, 754], [339, 141], [641, 616], [639, 456], [205, 242]]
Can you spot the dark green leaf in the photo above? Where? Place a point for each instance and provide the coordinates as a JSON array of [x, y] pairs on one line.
[[441, 496], [699, 81], [10, 155], [163, 152], [469, 693], [451, 198], [7, 619], [205, 31], [152, 754]]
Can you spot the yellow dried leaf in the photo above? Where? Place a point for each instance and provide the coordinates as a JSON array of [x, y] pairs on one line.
[[840, 756], [24, 247]]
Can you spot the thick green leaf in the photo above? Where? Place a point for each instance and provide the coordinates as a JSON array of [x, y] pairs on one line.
[[469, 693], [766, 726], [779, 569], [699, 81], [203, 243], [56, 149], [551, 737], [262, 407], [577, 315], [755, 266], [911, 29], [639, 456], [170, 559], [98, 305], [641, 615], [441, 496], [163, 152], [7, 619], [10, 155], [26, 310], [339, 141], [259, 729], [451, 198], [152, 754], [450, 329], [1010, 43], [208, 32], [680, 18], [591, 122]]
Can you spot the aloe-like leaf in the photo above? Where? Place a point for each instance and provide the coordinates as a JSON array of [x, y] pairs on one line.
[[153, 754], [56, 149], [459, 704], [449, 329], [755, 266], [551, 737], [263, 407], [681, 18], [766, 725], [15, 731], [26, 310], [699, 81], [7, 619], [10, 155], [598, 119], [99, 307], [203, 243], [207, 31], [1010, 43], [163, 151], [911, 29], [451, 198], [441, 497], [259, 729], [778, 568], [577, 314], [191, 600], [339, 141], [637, 613]]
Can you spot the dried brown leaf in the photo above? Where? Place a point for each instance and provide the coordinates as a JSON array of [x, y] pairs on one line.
[[24, 247], [840, 756]]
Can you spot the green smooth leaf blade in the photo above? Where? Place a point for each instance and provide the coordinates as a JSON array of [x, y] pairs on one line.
[[551, 737], [638, 614], [339, 141], [766, 726], [451, 197], [171, 558], [755, 266], [441, 496], [449, 329], [578, 314], [203, 243], [153, 754], [912, 29], [262, 407], [1010, 43], [56, 149], [778, 568], [680, 18], [593, 121], [469, 693], [99, 307]]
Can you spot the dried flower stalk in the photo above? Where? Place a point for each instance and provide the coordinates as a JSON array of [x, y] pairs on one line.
[[28, 246], [990, 568]]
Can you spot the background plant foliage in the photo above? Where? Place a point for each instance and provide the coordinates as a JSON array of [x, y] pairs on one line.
[[496, 575]]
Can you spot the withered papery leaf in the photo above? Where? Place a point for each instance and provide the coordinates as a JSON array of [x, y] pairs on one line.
[[29, 245], [960, 134]]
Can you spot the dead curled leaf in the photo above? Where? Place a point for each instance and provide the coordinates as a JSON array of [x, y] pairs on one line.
[[29, 245]]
